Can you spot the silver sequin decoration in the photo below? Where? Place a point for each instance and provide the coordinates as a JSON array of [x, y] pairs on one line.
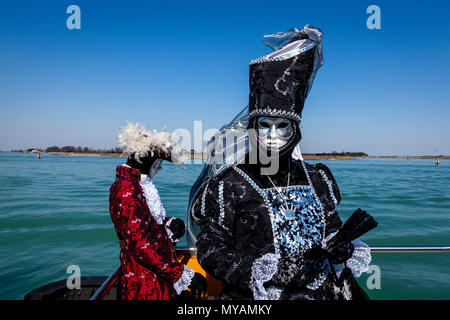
[[303, 232], [330, 187], [221, 205]]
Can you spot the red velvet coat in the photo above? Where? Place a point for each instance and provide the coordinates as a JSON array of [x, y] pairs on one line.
[[147, 256]]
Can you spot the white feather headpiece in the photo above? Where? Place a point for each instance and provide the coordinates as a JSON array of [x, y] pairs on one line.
[[138, 140]]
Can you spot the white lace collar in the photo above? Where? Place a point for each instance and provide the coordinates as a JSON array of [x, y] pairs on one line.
[[152, 197], [153, 200]]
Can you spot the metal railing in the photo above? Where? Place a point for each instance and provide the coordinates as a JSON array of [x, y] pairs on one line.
[[410, 249], [106, 285], [112, 279]]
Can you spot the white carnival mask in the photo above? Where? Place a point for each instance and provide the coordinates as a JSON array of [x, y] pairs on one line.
[[274, 132]]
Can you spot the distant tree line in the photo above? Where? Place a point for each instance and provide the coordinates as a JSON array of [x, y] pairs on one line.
[[81, 149], [339, 154], [25, 150]]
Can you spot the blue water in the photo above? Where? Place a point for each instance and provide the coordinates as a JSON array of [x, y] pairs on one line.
[[54, 213]]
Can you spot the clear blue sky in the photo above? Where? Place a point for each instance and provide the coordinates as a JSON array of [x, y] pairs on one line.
[[169, 63]]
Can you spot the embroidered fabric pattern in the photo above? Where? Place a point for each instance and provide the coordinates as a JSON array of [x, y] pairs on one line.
[[263, 194], [263, 270], [185, 280], [221, 206], [153, 200]]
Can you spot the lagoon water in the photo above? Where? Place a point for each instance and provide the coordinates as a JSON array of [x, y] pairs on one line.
[[54, 213]]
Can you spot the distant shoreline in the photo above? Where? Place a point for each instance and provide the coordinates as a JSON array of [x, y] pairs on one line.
[[306, 156], [313, 157], [410, 157], [87, 154]]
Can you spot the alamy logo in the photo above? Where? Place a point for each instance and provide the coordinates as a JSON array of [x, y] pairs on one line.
[[374, 280], [74, 280], [374, 20], [74, 20]]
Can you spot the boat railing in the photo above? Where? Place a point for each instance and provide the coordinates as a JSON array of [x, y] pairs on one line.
[[114, 277], [107, 285], [410, 249]]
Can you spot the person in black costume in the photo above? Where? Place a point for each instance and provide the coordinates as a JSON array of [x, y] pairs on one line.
[[258, 232]]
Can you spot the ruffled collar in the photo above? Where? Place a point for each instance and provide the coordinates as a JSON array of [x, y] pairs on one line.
[[153, 200]]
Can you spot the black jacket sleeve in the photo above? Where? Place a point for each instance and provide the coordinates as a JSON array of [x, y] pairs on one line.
[[217, 251]]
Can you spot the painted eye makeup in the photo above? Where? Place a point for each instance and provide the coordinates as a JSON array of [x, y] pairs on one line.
[[264, 124]]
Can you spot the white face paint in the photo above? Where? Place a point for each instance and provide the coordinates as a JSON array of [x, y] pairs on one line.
[[274, 132]]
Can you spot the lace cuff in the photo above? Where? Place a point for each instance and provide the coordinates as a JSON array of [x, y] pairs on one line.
[[360, 260], [263, 270], [184, 281]]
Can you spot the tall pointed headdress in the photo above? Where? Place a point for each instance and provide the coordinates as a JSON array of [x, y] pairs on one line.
[[280, 81]]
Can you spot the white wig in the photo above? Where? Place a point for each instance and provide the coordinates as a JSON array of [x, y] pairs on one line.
[[138, 140]]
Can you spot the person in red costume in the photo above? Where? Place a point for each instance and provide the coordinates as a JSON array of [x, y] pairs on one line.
[[150, 269]]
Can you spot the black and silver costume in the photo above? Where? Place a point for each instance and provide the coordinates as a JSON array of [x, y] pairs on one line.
[[257, 232]]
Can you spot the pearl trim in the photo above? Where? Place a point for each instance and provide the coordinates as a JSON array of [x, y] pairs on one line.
[[275, 113]]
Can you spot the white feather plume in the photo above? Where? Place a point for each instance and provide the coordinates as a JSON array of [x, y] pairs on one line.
[[138, 140]]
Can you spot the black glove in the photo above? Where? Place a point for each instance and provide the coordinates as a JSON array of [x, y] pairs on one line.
[[198, 285], [337, 252], [177, 227], [340, 252]]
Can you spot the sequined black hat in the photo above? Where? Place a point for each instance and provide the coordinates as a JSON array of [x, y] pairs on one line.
[[280, 81]]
